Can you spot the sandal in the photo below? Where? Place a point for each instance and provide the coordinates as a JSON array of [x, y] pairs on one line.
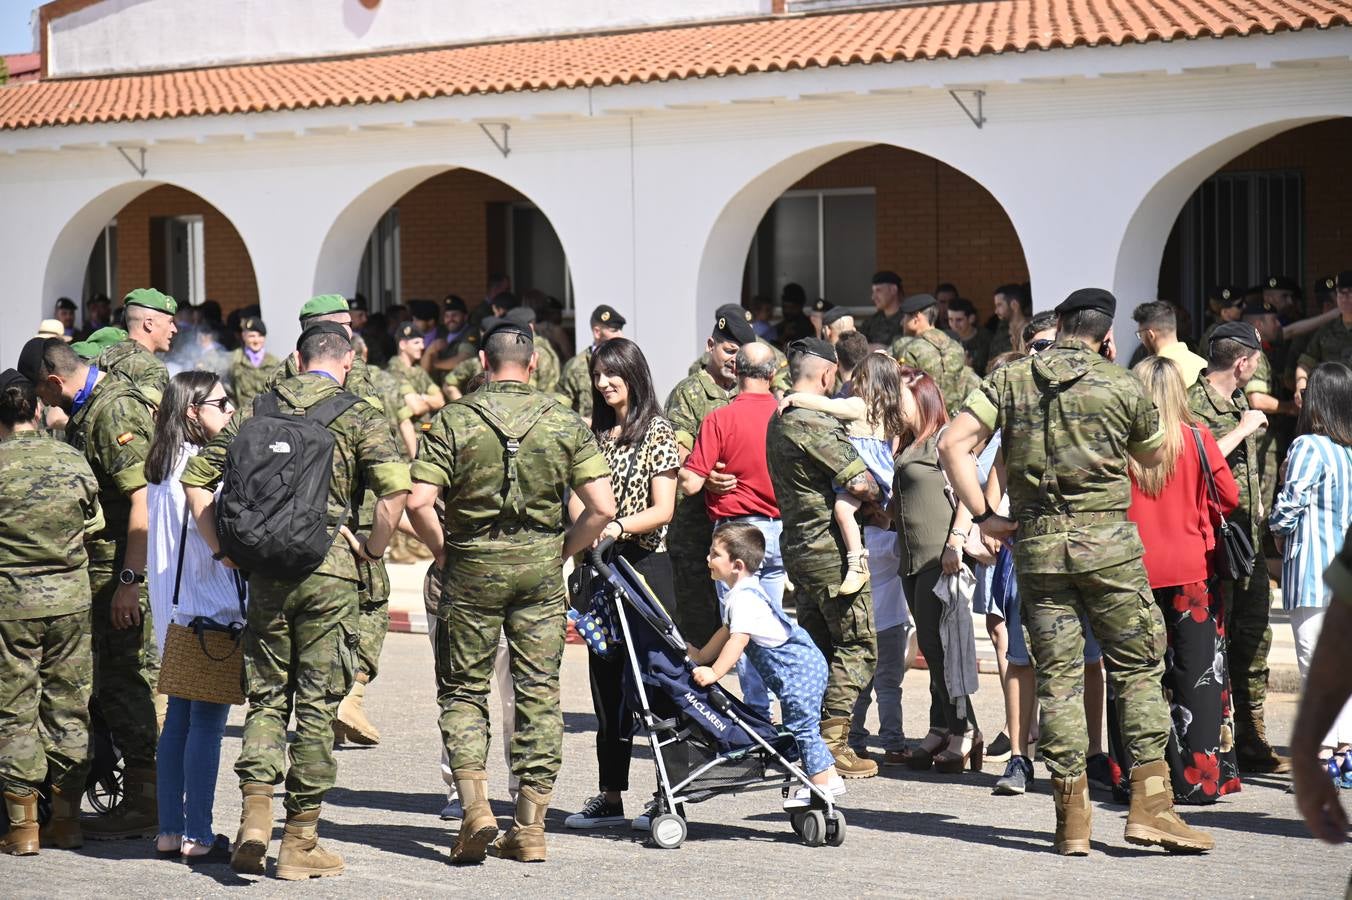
[[218, 854]]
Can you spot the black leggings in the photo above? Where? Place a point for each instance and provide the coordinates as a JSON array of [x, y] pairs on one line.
[[926, 611], [614, 743]]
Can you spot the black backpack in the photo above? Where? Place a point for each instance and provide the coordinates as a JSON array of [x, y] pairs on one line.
[[272, 514]]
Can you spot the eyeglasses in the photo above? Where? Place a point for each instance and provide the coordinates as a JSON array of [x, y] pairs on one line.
[[1040, 344], [221, 403]]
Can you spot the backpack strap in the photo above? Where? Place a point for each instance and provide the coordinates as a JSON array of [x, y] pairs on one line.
[[513, 501]]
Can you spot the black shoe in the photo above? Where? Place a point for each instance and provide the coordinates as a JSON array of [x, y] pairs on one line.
[[1099, 770], [597, 814], [999, 749], [219, 854], [1017, 778]]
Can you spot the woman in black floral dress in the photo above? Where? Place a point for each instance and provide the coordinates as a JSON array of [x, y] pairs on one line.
[[641, 448]]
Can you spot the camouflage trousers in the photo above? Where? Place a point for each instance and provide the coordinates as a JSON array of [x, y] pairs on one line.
[[842, 628], [482, 598], [46, 678], [373, 604], [1129, 627], [300, 652], [688, 541], [1248, 635], [126, 668]]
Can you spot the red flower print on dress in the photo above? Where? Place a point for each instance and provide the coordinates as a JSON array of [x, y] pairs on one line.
[[1193, 599], [1204, 772]]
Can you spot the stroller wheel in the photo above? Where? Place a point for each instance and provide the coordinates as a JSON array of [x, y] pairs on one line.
[[667, 831], [814, 828], [835, 830], [105, 792], [796, 820]]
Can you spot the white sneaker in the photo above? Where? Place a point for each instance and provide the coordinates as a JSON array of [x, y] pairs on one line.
[[802, 798], [452, 809]]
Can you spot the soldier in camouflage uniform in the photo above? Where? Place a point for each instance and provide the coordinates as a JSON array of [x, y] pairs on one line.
[[48, 504], [1332, 342], [575, 381], [505, 455], [302, 640], [90, 348], [1070, 419], [1220, 401], [417, 392], [809, 455], [925, 347], [547, 371], [884, 326], [150, 330], [691, 531], [251, 366], [111, 424]]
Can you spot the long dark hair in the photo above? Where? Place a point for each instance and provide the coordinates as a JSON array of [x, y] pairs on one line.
[[877, 381], [18, 404], [623, 359], [173, 428], [1327, 409], [929, 401]]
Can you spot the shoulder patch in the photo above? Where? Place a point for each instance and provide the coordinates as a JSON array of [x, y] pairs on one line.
[[125, 438]]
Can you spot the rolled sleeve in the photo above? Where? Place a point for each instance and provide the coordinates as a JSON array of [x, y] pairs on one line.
[[389, 478], [1151, 443], [200, 473], [981, 407], [131, 479], [1257, 386], [426, 472], [853, 470], [589, 470]]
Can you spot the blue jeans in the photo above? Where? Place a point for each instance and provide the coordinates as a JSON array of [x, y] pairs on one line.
[[772, 577], [192, 733]]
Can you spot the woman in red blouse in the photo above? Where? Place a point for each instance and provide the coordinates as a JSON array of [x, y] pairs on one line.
[[1171, 508]]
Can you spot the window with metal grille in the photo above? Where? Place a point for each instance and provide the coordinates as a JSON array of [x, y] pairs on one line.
[[1237, 229], [378, 277]]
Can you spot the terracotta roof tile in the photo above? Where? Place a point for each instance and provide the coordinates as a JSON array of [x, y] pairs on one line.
[[947, 30]]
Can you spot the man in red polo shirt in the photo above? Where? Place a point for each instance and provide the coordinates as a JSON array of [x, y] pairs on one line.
[[731, 442]]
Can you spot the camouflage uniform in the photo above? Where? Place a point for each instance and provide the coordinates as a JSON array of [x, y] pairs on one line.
[[547, 366], [809, 455], [778, 382], [113, 430], [881, 328], [301, 646], [504, 566], [247, 381], [463, 374], [575, 384], [1331, 343], [1069, 419], [1002, 340], [943, 359], [130, 361], [691, 530], [410, 380], [1247, 601], [1269, 444], [48, 502]]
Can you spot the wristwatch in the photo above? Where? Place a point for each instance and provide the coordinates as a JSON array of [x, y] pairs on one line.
[[127, 576]]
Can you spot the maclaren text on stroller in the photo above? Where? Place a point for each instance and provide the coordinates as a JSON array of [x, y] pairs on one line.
[[704, 741]]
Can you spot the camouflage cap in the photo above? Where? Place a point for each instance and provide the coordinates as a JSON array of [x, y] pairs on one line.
[[99, 341], [323, 305], [151, 299]]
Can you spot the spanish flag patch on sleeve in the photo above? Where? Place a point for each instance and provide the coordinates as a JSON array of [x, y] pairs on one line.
[[125, 438]]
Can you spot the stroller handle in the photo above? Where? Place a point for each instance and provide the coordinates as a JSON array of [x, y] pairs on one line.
[[597, 556]]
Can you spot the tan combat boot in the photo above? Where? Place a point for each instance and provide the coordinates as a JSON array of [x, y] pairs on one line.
[[1152, 820], [301, 857], [255, 829], [137, 816], [525, 840], [22, 837], [351, 723], [1252, 750], [836, 733], [478, 826], [1074, 816], [63, 828]]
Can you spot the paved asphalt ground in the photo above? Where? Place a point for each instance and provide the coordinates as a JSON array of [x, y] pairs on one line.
[[909, 834]]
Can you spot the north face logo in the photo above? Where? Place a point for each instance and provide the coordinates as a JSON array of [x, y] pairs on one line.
[[280, 447]]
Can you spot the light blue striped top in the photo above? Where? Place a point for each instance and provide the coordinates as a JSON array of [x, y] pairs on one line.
[[1313, 511]]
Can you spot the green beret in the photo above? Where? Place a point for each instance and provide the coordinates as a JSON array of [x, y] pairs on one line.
[[151, 299], [323, 305], [99, 341]]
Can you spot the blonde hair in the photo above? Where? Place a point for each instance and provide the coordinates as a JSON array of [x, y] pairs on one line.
[[1163, 382]]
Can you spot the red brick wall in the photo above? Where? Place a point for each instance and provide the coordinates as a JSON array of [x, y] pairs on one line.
[[446, 244], [229, 273], [934, 224]]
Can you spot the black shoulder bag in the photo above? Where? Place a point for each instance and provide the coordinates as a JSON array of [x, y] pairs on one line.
[[1238, 549]]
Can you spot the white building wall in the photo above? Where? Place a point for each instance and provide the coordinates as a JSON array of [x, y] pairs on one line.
[[655, 190], [148, 35]]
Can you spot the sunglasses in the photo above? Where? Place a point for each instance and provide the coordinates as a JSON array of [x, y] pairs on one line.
[[1040, 344], [221, 403]]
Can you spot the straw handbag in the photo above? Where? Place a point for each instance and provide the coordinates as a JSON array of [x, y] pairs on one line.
[[203, 660]]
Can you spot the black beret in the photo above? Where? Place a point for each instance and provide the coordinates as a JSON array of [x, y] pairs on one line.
[[1231, 295], [407, 332], [1325, 284], [821, 305], [835, 314], [1239, 332], [732, 311], [319, 328], [814, 347], [30, 357], [493, 325], [522, 315], [607, 316], [422, 309], [63, 303], [1258, 307], [252, 323], [454, 303], [732, 326], [793, 293], [1282, 283], [357, 302], [505, 301], [916, 302], [1344, 280], [11, 378], [1089, 298], [886, 277]]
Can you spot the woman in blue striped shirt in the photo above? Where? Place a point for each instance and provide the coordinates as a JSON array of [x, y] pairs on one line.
[[1312, 514]]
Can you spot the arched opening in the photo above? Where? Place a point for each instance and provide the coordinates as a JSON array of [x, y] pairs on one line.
[[430, 233]]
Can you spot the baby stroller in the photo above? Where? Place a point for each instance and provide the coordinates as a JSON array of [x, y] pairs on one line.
[[704, 741]]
